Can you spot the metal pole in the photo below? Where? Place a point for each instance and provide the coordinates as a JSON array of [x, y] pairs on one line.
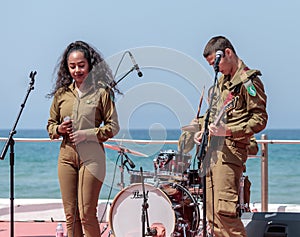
[[264, 174]]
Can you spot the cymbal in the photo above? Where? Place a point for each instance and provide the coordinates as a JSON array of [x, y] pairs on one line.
[[190, 128], [125, 150]]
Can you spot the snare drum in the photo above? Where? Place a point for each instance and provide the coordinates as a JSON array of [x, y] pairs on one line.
[[126, 211]]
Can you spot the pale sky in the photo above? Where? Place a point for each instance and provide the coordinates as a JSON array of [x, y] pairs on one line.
[[34, 34]]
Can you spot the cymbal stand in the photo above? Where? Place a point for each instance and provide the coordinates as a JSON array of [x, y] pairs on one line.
[[122, 154], [123, 164], [242, 206], [156, 166]]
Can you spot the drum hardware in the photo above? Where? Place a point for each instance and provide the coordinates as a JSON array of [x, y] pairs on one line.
[[145, 217], [242, 206], [104, 229], [193, 178], [182, 226], [177, 206], [161, 170], [122, 150], [185, 207], [163, 158], [109, 233], [156, 164], [122, 154], [169, 165]]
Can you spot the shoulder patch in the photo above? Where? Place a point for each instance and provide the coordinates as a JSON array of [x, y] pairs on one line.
[[250, 87], [246, 76]]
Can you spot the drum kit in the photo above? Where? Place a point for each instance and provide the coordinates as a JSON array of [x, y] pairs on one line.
[[164, 202]]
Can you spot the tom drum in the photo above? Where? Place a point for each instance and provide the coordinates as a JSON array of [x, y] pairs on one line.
[[135, 176]]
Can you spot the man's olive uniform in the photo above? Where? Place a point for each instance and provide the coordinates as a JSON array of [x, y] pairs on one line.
[[228, 154]]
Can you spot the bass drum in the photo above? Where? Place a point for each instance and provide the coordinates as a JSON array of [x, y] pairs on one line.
[[125, 215], [186, 209]]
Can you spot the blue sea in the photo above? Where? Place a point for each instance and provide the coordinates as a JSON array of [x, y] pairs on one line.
[[35, 167]]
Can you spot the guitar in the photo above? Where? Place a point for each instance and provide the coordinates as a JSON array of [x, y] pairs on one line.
[[228, 105]]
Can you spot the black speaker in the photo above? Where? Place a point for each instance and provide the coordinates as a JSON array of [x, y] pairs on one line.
[[272, 224]]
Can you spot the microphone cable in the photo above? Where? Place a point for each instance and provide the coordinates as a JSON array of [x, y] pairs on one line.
[[110, 190], [122, 58]]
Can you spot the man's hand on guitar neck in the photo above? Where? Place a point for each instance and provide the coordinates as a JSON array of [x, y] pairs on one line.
[[220, 131]]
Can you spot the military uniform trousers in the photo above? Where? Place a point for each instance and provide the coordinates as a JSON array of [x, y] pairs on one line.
[[80, 192], [222, 182]]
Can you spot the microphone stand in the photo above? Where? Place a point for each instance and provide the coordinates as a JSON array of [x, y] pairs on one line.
[[145, 206], [122, 154], [115, 83], [10, 143], [202, 150]]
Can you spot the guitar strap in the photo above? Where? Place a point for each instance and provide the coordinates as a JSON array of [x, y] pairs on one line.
[[229, 98]]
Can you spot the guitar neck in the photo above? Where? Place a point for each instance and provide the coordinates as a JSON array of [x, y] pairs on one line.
[[219, 117]]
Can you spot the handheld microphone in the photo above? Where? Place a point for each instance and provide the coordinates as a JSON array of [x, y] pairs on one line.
[[67, 118], [219, 55], [140, 74]]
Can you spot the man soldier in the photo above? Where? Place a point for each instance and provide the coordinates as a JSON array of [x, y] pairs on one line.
[[230, 139]]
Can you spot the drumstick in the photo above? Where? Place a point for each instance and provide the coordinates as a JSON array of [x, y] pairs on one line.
[[200, 103]]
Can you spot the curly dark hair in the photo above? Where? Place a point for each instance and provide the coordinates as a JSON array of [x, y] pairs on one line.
[[99, 72]]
